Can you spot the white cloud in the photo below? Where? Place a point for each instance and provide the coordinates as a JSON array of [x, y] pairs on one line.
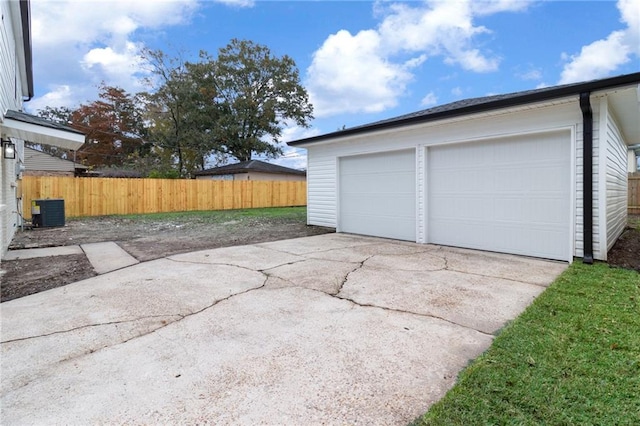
[[534, 74], [58, 96], [370, 71], [429, 100], [81, 43], [349, 74], [602, 57], [456, 91], [119, 68], [237, 3]]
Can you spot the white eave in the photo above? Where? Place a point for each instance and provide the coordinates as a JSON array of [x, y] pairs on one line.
[[41, 134]]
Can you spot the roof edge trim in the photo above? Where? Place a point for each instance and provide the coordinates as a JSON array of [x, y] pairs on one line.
[[516, 100]]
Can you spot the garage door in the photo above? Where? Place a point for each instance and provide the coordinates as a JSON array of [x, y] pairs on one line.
[[508, 195], [378, 195]]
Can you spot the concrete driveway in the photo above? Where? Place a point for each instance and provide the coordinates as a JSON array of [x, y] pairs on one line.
[[332, 329]]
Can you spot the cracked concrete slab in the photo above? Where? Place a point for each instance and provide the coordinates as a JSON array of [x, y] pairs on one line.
[[248, 362], [472, 301], [157, 288], [257, 334], [319, 243], [374, 246], [322, 275], [258, 257], [510, 267]]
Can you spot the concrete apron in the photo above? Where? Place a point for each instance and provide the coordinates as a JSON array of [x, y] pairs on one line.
[[332, 329]]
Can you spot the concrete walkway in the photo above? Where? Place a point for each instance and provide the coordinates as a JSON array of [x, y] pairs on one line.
[[104, 257], [331, 329]]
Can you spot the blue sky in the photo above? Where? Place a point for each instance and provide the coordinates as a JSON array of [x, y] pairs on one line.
[[361, 61]]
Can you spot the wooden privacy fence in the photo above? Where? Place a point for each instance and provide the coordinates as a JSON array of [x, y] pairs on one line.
[[634, 194], [106, 196]]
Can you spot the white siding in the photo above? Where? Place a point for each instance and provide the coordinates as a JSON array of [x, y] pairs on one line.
[[10, 98], [615, 181], [321, 187], [36, 160], [10, 84]]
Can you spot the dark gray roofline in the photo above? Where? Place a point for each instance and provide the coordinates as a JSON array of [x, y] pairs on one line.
[[25, 13], [34, 119], [481, 105], [256, 166]]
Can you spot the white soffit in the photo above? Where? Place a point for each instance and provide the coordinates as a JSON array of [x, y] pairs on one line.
[[41, 134]]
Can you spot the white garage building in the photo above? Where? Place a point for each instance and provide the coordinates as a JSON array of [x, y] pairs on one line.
[[500, 173]]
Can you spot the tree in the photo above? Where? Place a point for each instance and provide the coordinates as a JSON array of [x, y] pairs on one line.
[[60, 115], [255, 95], [179, 112], [114, 127]]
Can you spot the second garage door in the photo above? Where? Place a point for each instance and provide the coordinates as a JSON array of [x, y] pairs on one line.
[[378, 195], [507, 195]]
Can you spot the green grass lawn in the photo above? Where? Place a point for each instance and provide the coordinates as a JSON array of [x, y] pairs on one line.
[[221, 216], [572, 358]]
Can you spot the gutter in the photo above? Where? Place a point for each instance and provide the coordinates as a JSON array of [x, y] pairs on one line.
[[587, 176], [25, 12]]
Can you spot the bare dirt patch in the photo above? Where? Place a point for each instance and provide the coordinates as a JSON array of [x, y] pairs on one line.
[[145, 238], [626, 251]]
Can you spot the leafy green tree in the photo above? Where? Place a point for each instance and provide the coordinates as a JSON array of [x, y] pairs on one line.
[[255, 95], [178, 112]]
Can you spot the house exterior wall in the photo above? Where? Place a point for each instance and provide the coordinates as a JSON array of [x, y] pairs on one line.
[[562, 114], [613, 184], [47, 173], [10, 98], [36, 161]]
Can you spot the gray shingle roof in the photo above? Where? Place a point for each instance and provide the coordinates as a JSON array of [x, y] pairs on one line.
[[39, 121], [250, 166], [476, 105]]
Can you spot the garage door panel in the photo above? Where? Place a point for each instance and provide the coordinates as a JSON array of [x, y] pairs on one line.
[[514, 198], [379, 204], [377, 195], [362, 183]]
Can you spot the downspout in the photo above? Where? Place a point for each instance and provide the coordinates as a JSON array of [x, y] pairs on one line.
[[587, 176]]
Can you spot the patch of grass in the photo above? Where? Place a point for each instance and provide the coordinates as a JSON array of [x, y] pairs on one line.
[[634, 222], [572, 358], [221, 216]]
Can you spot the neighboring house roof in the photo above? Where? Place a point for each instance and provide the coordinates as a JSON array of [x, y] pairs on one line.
[[250, 166], [476, 105], [41, 161]]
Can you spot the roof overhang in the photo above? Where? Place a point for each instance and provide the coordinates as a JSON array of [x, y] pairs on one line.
[[42, 133], [623, 90], [625, 103]]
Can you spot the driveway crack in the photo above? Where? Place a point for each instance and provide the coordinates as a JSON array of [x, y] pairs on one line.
[[90, 326], [384, 308], [237, 266], [359, 266]]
